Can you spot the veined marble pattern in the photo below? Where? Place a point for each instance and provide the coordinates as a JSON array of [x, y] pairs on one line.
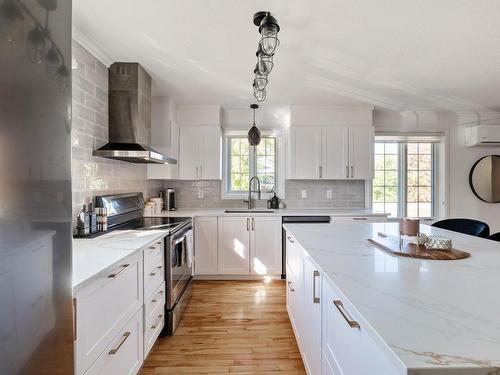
[[437, 317]]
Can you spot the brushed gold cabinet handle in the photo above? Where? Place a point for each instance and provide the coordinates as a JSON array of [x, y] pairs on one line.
[[340, 306], [158, 322], [124, 338], [120, 270], [315, 275]]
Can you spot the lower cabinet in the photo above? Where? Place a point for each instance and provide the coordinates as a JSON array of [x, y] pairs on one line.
[[236, 245], [124, 356]]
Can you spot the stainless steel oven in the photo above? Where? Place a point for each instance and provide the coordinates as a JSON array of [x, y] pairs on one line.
[[178, 274]]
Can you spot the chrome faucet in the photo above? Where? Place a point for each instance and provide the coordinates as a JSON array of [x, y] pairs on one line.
[[250, 191]]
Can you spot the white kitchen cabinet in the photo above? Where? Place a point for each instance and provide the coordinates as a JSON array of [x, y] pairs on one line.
[[332, 152], [200, 153], [335, 153], [361, 153], [311, 310], [206, 245], [293, 301], [265, 245], [342, 331], [104, 306], [233, 245], [305, 153], [124, 355]]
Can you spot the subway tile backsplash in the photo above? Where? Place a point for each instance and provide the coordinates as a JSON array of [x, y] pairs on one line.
[[93, 175], [346, 194]]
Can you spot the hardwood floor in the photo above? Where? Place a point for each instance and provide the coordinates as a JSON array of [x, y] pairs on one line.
[[230, 327]]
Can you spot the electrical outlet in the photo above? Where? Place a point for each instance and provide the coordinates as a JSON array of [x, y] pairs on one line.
[[303, 193], [200, 194], [329, 194]]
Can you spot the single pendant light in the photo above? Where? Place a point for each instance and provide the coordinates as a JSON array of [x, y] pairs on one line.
[[254, 132]]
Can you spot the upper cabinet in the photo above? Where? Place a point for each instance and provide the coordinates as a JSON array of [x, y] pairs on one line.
[[334, 153], [200, 153]]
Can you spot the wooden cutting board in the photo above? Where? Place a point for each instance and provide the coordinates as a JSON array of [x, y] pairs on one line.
[[391, 245]]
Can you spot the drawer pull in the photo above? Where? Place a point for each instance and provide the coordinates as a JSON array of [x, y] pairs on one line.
[[154, 300], [124, 338], [291, 240], [360, 218], [290, 287], [153, 273], [315, 275], [159, 243], [340, 306], [120, 270], [158, 322]]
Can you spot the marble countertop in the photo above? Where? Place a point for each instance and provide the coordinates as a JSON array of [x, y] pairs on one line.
[[91, 256], [339, 212], [433, 315]]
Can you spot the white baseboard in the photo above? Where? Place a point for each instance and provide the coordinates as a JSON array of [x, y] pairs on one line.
[[237, 277]]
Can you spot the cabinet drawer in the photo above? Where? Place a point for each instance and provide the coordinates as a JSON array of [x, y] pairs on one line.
[[124, 356], [154, 323], [104, 306], [157, 298], [153, 278], [342, 331], [293, 303], [294, 256], [153, 255]]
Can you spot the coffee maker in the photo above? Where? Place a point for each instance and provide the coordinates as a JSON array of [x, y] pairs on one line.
[[169, 200]]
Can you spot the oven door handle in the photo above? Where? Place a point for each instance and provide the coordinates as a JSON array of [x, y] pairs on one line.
[[179, 240]]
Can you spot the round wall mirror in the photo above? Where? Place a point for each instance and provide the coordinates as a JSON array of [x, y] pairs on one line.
[[484, 179]]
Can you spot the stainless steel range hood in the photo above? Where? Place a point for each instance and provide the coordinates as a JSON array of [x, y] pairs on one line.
[[129, 129]]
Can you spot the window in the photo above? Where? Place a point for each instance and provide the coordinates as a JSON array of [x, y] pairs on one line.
[[244, 161], [404, 183]]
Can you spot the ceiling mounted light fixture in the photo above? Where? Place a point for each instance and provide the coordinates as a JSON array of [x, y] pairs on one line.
[[259, 94], [254, 132], [264, 62], [268, 28]]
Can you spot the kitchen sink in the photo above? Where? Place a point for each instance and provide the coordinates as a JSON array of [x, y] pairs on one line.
[[252, 211]]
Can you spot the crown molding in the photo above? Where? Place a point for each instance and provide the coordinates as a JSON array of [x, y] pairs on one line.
[[92, 47]]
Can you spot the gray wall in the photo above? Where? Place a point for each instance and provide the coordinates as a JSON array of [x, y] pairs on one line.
[[93, 175], [345, 194]]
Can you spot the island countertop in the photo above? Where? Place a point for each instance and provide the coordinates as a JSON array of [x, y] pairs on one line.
[[437, 317]]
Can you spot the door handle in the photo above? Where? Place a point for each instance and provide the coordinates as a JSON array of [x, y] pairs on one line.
[[248, 224], [120, 270], [340, 306], [320, 171], [346, 171], [352, 171], [315, 275], [253, 223], [125, 337]]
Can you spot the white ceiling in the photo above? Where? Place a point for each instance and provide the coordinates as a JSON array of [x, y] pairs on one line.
[[393, 54]]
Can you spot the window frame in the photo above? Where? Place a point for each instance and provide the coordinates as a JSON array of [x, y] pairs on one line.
[[402, 181], [226, 193]]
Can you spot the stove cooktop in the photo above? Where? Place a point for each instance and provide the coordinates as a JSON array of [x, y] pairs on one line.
[[149, 223]]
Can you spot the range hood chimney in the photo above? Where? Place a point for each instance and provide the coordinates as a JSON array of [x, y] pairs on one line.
[[129, 129]]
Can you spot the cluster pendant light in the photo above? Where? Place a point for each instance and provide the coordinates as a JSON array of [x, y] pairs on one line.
[[40, 47], [268, 30]]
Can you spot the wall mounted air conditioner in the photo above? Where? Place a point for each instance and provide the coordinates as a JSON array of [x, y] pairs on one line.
[[482, 135]]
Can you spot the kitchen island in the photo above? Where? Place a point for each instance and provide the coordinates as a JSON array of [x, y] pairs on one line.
[[414, 316]]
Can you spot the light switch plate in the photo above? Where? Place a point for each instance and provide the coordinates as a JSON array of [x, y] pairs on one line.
[[329, 194], [303, 193]]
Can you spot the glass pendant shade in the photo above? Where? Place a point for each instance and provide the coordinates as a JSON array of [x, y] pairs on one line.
[[260, 81], [62, 77], [254, 132], [268, 30], [264, 62], [53, 62], [36, 46], [11, 22], [260, 95]]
